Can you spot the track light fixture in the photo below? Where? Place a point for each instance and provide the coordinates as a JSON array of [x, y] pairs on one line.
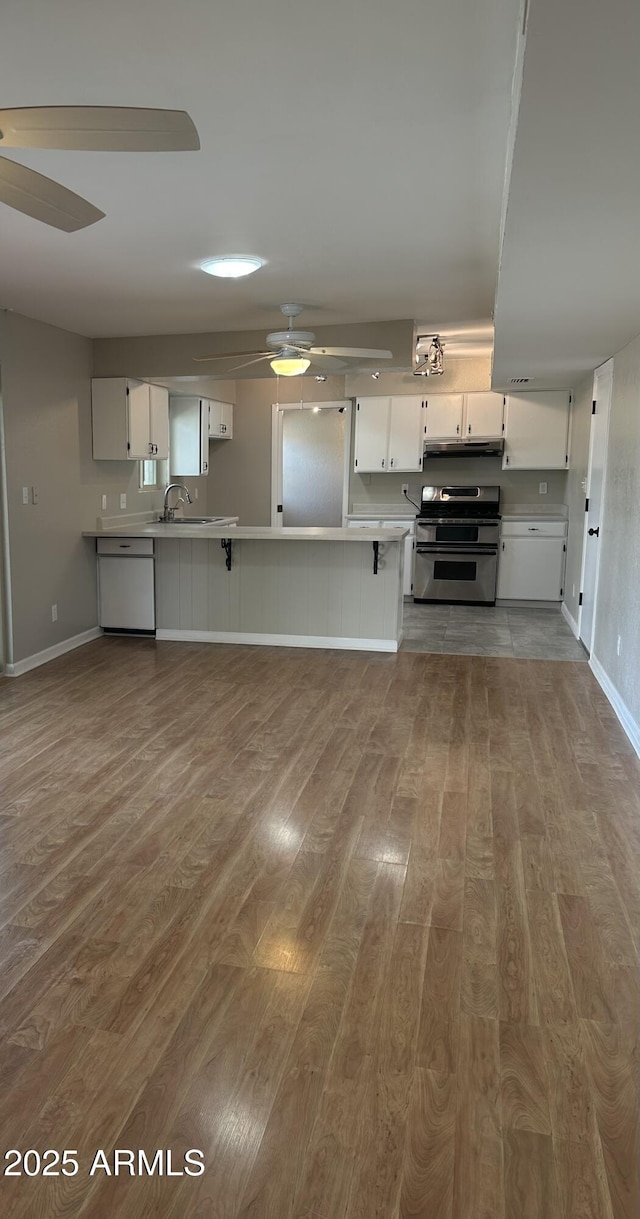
[[433, 365]]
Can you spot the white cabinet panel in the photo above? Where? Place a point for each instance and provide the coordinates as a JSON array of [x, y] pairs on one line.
[[536, 429], [483, 414], [130, 419], [531, 569], [444, 416], [189, 436], [406, 433], [220, 420], [409, 548], [126, 593], [371, 435], [159, 421]]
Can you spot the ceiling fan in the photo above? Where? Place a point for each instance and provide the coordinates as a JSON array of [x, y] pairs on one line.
[[290, 352], [81, 128]]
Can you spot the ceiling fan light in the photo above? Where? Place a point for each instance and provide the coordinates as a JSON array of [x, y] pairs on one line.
[[290, 366], [231, 267]]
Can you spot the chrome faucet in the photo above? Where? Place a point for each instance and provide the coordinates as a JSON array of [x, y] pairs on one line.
[[169, 513]]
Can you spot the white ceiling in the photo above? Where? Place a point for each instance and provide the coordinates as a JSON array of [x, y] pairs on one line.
[[569, 284], [357, 145]]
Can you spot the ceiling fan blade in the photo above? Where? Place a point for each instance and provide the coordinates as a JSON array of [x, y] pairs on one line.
[[98, 129], [231, 355], [326, 363], [43, 199], [355, 353], [258, 360]]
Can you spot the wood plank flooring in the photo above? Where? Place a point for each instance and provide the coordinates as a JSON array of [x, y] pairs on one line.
[[362, 929]]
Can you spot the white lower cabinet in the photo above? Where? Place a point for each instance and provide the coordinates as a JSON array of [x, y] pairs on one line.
[[531, 561], [126, 591]]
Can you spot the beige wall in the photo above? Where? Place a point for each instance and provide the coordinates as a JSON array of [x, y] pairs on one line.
[[46, 391], [576, 476], [618, 602]]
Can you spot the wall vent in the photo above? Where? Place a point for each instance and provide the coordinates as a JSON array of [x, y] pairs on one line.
[[520, 380]]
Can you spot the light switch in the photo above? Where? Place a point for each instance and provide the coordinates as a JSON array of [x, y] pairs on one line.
[[34, 495], [542, 488], [25, 495], [104, 503]]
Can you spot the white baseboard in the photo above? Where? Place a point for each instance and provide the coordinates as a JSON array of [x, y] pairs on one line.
[[569, 618], [58, 649], [623, 713], [282, 641]]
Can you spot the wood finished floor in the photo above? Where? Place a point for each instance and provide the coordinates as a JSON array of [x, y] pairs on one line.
[[364, 929]]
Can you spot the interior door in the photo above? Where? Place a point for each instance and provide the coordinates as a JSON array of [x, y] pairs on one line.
[[443, 416], [602, 387], [405, 433], [313, 466]]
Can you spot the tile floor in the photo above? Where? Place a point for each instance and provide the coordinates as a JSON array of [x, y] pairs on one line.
[[526, 634]]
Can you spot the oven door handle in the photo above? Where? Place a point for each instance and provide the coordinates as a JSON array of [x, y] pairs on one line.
[[479, 552]]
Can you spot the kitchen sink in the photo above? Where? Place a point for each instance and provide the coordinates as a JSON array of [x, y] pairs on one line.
[[193, 520]]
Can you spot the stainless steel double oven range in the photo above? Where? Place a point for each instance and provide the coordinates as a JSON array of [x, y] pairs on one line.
[[457, 532]]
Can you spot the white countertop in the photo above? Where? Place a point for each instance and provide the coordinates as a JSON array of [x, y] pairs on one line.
[[251, 532]]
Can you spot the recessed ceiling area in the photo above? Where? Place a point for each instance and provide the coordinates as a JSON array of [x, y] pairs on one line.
[[358, 148]]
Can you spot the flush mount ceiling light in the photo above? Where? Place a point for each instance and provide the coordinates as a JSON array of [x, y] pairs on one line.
[[433, 365], [290, 366], [231, 267]]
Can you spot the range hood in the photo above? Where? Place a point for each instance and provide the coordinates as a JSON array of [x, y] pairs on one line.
[[463, 448]]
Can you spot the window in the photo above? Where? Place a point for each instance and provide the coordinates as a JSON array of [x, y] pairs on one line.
[[153, 475]]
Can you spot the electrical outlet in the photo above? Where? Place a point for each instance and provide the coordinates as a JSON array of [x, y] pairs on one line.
[[405, 488], [104, 503], [54, 613], [25, 495], [619, 645], [542, 488], [123, 501]]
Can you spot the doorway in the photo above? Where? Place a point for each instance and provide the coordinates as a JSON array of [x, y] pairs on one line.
[[310, 464], [598, 439]]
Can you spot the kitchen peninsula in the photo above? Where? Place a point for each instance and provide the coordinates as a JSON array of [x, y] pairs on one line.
[[313, 587]]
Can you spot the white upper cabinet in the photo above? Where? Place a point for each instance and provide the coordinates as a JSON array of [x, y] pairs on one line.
[[536, 431], [372, 435], [159, 421], [130, 420], [461, 416], [443, 416], [483, 415], [220, 420], [405, 433], [188, 436], [388, 435]]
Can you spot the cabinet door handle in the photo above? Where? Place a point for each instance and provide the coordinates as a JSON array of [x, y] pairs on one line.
[[457, 429], [382, 463], [533, 529], [392, 461], [469, 429]]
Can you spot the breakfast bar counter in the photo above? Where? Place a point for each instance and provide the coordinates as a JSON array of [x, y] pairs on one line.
[[306, 587]]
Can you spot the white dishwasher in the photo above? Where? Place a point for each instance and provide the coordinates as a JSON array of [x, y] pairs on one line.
[[126, 585]]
